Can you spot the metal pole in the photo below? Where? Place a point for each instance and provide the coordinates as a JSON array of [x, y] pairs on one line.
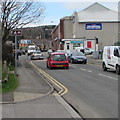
[[15, 54]]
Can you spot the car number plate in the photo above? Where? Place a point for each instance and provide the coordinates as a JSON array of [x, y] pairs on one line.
[[80, 60], [59, 65]]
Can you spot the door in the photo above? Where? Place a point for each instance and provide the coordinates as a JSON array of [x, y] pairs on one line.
[[89, 44]]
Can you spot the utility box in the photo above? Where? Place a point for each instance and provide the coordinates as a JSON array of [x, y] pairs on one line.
[[95, 54]]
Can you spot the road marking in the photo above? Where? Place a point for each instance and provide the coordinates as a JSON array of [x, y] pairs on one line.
[[73, 66], [85, 70], [63, 89], [108, 76]]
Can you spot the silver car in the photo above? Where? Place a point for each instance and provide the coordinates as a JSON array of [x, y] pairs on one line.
[[37, 55]]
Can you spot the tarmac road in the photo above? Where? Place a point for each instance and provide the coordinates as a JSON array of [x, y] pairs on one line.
[[91, 91]]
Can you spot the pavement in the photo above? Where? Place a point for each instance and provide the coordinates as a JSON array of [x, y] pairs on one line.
[[48, 98], [94, 61]]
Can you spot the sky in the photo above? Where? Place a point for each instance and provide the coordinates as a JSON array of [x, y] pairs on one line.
[[54, 11]]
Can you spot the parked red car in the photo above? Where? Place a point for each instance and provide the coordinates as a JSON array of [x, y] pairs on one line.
[[57, 60]]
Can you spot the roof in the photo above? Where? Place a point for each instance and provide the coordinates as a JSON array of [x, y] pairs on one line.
[[97, 13]]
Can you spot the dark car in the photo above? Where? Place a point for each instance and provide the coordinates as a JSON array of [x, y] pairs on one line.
[[77, 57], [57, 60]]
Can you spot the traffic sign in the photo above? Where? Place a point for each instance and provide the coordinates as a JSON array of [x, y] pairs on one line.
[[15, 33]]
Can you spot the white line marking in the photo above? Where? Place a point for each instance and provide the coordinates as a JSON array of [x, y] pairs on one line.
[[108, 76], [85, 70], [73, 66]]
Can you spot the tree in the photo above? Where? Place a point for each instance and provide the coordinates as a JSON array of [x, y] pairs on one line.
[[16, 14]]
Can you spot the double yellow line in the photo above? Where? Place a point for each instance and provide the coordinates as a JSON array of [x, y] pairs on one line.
[[63, 89]]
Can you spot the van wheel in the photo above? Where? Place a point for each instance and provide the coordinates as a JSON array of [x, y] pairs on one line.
[[104, 67], [118, 69]]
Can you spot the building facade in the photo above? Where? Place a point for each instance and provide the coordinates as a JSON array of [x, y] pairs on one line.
[[93, 27]]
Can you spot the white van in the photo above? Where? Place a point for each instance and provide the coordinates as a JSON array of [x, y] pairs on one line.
[[31, 49], [111, 58]]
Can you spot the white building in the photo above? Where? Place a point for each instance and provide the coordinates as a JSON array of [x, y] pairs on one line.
[[96, 21]]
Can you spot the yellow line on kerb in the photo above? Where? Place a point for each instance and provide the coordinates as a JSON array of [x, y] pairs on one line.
[[63, 89]]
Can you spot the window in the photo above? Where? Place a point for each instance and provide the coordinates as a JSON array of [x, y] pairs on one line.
[[59, 57], [76, 45], [68, 47], [116, 52]]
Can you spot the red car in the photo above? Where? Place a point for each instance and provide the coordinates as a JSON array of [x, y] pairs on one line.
[[57, 60]]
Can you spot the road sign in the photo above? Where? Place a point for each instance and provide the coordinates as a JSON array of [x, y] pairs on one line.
[[15, 33]]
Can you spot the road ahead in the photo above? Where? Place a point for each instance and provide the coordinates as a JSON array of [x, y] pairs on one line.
[[91, 91]]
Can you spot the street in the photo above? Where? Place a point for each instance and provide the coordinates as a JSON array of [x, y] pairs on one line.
[[91, 91]]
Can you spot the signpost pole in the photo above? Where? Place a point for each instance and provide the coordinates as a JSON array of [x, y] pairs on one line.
[[16, 54], [15, 33]]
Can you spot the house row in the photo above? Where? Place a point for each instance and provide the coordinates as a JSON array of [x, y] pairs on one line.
[[94, 27]]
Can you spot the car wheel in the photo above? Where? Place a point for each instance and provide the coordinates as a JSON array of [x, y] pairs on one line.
[[85, 62], [50, 67], [47, 66], [66, 67], [104, 67], [118, 69]]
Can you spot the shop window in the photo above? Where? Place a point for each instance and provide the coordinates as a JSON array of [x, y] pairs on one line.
[[76, 45]]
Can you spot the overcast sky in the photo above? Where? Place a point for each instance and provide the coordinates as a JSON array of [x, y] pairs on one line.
[[56, 10]]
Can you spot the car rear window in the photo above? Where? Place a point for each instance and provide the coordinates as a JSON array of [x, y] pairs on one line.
[[60, 57], [78, 54]]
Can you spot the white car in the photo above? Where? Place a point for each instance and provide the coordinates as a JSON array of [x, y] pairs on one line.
[[37, 55], [86, 50]]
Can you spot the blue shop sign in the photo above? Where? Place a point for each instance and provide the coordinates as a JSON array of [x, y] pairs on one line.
[[93, 26], [75, 42]]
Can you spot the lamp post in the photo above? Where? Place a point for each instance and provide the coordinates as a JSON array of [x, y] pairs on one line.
[[83, 44]]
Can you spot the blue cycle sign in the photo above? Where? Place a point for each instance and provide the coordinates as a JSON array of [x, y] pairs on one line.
[[93, 26]]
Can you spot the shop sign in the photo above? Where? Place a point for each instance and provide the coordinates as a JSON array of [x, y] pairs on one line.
[[75, 42], [93, 26]]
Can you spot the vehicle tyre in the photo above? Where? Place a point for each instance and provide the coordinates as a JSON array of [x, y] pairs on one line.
[[47, 66], [50, 67], [118, 69], [104, 67], [85, 62], [66, 67]]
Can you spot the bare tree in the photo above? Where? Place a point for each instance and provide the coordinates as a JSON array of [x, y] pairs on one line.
[[16, 14]]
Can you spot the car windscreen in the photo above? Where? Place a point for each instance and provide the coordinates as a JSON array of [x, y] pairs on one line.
[[37, 52], [77, 54], [59, 57]]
